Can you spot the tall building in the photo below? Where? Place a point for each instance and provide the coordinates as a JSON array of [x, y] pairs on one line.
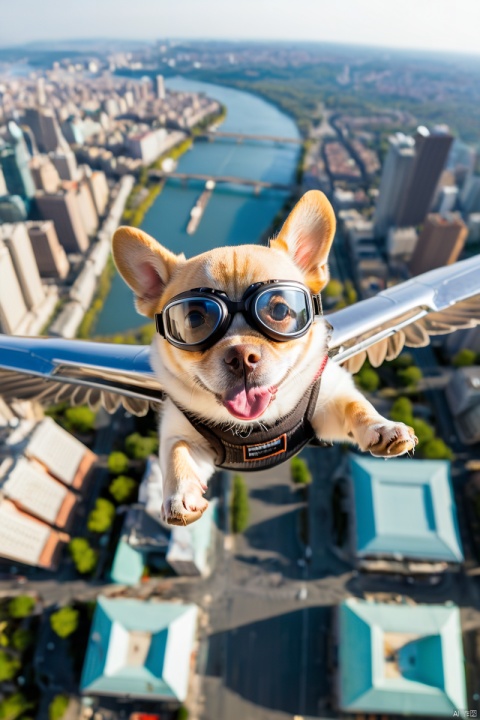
[[44, 125], [49, 254], [65, 164], [160, 87], [12, 209], [393, 184], [99, 189], [64, 209], [3, 184], [88, 211], [14, 162], [16, 239], [44, 173], [431, 152], [41, 94], [440, 243], [470, 197], [12, 305]]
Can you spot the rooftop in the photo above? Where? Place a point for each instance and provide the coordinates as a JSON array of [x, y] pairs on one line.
[[400, 659], [405, 509], [140, 649]]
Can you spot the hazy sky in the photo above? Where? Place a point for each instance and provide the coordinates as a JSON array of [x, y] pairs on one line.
[[427, 24]]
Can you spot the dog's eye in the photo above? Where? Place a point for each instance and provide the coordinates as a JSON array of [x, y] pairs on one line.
[[279, 311], [194, 319]]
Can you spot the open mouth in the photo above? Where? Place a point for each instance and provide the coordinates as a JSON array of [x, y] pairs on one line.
[[248, 403]]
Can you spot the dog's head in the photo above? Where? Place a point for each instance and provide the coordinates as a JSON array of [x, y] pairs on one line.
[[244, 376]]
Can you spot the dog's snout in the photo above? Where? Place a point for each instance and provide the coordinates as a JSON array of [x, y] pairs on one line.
[[242, 359]]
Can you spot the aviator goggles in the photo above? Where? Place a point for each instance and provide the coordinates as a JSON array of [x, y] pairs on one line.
[[281, 310]]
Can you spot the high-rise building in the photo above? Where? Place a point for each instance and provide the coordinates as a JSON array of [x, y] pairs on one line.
[[12, 305], [65, 164], [12, 209], [14, 161], [160, 87], [440, 243], [99, 189], [431, 152], [447, 199], [44, 173], [64, 209], [3, 184], [470, 197], [395, 175], [41, 94], [44, 125], [88, 211], [49, 254], [16, 239]]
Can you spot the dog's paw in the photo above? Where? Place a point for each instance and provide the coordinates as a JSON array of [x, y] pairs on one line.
[[389, 439], [184, 507]]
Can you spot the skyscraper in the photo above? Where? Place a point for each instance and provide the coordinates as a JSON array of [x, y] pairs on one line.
[[14, 161], [65, 164], [64, 209], [470, 197], [16, 239], [49, 254], [431, 152], [160, 87], [395, 175], [44, 125], [44, 173], [440, 243], [3, 184], [12, 305]]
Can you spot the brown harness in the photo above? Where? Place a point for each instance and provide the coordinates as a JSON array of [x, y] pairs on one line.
[[264, 448]]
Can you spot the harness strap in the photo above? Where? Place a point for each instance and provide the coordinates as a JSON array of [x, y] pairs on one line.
[[264, 448]]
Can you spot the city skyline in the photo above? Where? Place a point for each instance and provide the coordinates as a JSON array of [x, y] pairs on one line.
[[411, 25]]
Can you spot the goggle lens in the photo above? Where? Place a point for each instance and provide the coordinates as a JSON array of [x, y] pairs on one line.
[[193, 321], [284, 310]]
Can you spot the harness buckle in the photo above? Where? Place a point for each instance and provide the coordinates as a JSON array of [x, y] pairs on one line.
[[317, 304]]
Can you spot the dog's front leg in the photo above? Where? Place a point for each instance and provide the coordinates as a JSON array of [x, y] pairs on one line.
[[343, 414], [187, 464]]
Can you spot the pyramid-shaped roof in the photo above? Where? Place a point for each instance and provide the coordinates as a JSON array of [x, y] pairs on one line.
[[400, 659], [139, 649], [405, 509]]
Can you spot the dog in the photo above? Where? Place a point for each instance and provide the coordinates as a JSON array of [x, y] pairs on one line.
[[237, 350]]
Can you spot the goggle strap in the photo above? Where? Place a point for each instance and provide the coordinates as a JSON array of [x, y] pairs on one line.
[[317, 304], [159, 324]]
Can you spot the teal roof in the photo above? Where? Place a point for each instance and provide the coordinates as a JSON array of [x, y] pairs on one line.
[[192, 543], [405, 508], [139, 649], [400, 659], [128, 564]]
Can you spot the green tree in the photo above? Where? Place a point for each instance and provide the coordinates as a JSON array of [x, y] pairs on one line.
[[81, 419], [85, 558], [402, 411], [299, 470], [239, 509], [64, 622], [403, 361], [350, 293], [436, 449], [368, 379], [122, 488], [183, 713], [9, 666], [13, 706], [117, 463], [100, 519], [410, 376], [58, 707], [139, 447], [334, 289], [22, 639], [21, 606], [464, 358], [423, 430]]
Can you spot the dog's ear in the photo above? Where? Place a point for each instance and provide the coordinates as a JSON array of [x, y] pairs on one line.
[[145, 266], [307, 235]]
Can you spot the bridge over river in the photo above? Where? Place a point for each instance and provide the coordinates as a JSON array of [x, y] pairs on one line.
[[240, 137], [230, 179]]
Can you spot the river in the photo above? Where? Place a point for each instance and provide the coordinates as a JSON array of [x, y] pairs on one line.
[[234, 215]]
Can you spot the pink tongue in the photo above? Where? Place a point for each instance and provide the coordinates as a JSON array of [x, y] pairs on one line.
[[248, 404]]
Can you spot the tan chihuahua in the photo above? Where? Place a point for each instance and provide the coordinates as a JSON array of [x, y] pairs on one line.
[[241, 351]]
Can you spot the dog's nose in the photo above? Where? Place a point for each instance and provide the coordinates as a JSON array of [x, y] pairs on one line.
[[242, 359]]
